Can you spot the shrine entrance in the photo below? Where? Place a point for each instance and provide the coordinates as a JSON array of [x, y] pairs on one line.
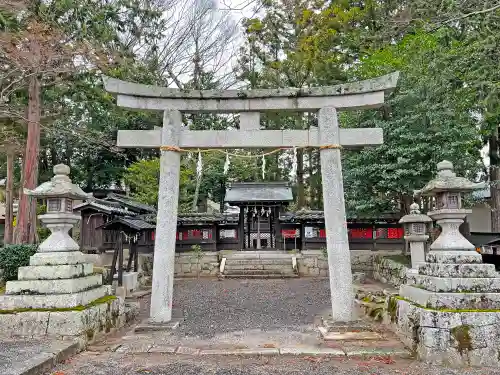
[[329, 138], [260, 204]]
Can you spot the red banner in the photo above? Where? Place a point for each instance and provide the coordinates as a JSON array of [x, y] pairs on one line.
[[289, 233]]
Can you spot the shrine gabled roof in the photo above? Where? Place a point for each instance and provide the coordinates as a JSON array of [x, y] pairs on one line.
[[133, 223], [107, 207], [258, 192]]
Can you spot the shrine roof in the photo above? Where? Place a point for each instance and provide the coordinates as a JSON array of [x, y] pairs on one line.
[[196, 217], [133, 223], [306, 215], [258, 192], [104, 206], [384, 83]]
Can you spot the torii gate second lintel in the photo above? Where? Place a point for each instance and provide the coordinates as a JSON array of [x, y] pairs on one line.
[[328, 137]]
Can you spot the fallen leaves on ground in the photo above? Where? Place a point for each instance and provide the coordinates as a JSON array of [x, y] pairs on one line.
[[384, 359], [313, 359], [269, 345]]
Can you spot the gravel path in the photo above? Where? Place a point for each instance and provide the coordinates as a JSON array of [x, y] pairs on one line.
[[152, 364], [212, 308]]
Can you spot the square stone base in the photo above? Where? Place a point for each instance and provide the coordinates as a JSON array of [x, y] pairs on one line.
[[149, 326], [130, 282], [456, 338], [78, 324]]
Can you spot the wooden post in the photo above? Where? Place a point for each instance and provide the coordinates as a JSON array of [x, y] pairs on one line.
[[120, 259], [302, 236], [113, 264], [249, 222], [241, 227]]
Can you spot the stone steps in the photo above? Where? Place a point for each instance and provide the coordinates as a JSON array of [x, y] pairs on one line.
[[274, 267], [258, 261], [262, 265], [268, 276], [260, 272]]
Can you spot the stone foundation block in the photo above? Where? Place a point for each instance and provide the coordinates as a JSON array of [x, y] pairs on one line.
[[454, 257], [438, 284], [55, 259], [455, 301], [64, 271], [84, 324], [59, 286], [450, 338], [457, 270], [41, 301]]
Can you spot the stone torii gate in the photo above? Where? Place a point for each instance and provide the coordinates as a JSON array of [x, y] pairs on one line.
[[328, 137]]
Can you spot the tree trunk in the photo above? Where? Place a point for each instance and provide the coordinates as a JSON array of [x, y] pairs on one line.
[[194, 205], [494, 180], [9, 198], [26, 216]]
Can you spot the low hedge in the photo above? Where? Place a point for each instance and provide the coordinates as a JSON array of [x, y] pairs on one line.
[[14, 256]]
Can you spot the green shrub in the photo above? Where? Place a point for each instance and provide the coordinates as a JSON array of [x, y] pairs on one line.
[[14, 256]]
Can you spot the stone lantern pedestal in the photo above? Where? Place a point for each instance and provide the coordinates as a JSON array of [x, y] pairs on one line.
[[59, 294], [449, 311]]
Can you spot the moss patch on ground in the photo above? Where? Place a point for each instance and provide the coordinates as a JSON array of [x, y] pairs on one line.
[[99, 301]]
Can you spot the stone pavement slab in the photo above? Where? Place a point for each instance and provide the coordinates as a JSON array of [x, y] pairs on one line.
[[33, 357]]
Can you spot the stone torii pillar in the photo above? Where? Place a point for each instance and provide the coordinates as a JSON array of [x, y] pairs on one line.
[[249, 103]]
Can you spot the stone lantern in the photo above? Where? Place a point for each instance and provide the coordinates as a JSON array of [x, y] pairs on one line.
[[59, 193], [415, 233], [59, 294], [446, 190], [448, 310]]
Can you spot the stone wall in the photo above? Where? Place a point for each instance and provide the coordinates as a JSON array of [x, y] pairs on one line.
[[189, 264], [389, 271], [314, 262], [309, 262]]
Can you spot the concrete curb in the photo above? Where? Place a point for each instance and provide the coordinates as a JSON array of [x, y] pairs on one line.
[[285, 351], [45, 361]]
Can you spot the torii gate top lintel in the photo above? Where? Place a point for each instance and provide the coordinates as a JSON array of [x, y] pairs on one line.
[[355, 95]]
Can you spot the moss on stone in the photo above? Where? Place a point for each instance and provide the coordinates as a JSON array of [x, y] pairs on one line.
[[446, 310], [90, 333], [462, 335], [99, 301], [392, 308], [404, 260]]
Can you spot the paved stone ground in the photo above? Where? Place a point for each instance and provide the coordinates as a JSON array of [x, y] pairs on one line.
[[91, 363], [236, 314], [241, 314], [19, 356]]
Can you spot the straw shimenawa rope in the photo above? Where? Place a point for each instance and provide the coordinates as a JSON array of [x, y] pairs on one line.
[[178, 149]]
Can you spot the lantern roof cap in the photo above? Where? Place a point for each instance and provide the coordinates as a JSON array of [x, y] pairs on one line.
[[59, 186], [415, 216], [447, 181]]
